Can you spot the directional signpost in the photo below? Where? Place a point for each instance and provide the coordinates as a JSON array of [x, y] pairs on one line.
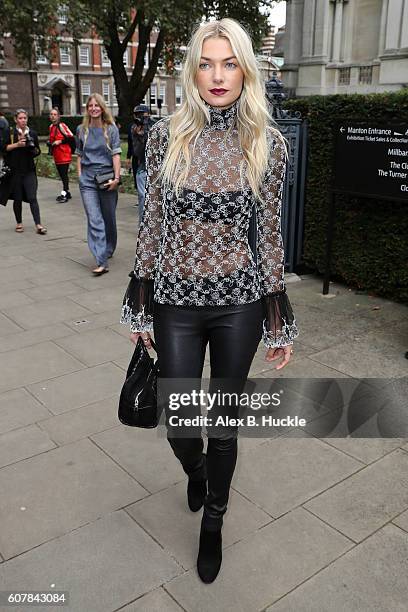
[[370, 160]]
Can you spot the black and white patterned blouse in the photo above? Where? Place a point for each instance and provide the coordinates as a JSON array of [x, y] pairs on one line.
[[193, 250]]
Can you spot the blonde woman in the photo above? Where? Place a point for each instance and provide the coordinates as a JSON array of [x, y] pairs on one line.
[[195, 280], [98, 150]]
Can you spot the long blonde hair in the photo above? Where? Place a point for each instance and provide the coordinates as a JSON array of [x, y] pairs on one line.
[[253, 117], [107, 118]]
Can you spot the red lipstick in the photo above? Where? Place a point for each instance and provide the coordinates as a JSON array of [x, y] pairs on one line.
[[218, 92]]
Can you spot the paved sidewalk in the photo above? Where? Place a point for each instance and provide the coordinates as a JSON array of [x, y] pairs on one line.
[[94, 508]]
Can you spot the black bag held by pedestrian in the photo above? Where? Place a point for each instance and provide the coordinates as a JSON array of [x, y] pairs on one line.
[[102, 178], [138, 406]]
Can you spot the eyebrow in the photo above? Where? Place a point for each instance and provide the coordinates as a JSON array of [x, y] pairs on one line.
[[209, 59]]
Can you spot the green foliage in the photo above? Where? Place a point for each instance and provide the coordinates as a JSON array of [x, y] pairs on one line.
[[370, 245]]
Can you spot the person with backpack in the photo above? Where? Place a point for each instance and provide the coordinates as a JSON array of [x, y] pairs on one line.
[[61, 145]]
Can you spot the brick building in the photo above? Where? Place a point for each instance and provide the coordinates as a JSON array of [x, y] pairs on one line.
[[74, 71]]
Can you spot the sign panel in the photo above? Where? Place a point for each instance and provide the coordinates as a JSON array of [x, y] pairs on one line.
[[372, 160]]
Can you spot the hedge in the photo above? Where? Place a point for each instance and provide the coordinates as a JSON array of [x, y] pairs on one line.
[[370, 246]]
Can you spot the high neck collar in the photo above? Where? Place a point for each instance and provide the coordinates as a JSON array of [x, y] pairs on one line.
[[222, 118]]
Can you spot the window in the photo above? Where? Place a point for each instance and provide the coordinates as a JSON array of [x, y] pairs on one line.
[[179, 94], [153, 94], [40, 58], [85, 91], [105, 58], [366, 74], [65, 55], [162, 94], [84, 55], [62, 14], [146, 59], [114, 96], [344, 76], [126, 59], [105, 92]]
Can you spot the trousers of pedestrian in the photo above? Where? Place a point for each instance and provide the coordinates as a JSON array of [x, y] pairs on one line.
[[63, 170], [25, 188], [182, 334], [100, 209], [141, 187]]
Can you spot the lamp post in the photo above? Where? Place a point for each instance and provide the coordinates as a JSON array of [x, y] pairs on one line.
[[275, 95]]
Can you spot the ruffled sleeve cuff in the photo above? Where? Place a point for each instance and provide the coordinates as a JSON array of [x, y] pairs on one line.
[[279, 326], [137, 308]]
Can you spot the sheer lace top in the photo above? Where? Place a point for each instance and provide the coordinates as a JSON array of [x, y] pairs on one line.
[[193, 250]]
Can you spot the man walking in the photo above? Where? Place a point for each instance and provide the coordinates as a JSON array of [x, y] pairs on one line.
[[137, 138]]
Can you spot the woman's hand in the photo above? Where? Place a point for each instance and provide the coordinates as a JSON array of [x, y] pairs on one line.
[[145, 337], [112, 184], [276, 353], [56, 143]]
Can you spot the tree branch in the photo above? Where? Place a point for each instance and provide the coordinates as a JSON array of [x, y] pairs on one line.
[[131, 30]]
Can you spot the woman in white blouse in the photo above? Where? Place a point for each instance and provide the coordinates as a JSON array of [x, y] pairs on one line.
[[196, 280]]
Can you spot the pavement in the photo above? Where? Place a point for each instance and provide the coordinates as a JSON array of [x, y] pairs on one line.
[[98, 510]]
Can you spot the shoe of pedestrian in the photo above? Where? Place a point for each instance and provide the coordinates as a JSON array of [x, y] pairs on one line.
[[68, 196], [19, 228], [99, 271], [209, 555], [196, 492], [62, 197], [41, 230]]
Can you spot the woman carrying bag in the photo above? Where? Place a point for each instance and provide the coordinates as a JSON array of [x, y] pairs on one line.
[[60, 137], [21, 148], [195, 280], [98, 150]]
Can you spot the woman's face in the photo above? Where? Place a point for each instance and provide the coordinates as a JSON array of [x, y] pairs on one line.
[[54, 116], [93, 108], [21, 120], [219, 77]]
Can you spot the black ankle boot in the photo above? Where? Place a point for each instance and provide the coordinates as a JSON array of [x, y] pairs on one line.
[[209, 555], [196, 492]]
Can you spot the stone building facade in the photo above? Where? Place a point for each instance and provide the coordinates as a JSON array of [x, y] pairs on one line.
[[345, 46]]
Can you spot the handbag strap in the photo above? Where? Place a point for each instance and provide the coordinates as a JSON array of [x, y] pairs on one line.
[[152, 342]]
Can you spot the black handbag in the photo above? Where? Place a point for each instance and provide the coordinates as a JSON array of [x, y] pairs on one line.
[[138, 405], [102, 178]]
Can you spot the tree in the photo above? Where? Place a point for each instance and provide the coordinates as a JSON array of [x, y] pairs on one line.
[[116, 21]]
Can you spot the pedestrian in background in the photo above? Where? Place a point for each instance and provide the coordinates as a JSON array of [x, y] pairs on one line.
[[137, 139], [98, 151], [21, 148], [4, 130], [58, 142]]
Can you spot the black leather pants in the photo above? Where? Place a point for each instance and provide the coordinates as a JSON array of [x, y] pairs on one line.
[[181, 334]]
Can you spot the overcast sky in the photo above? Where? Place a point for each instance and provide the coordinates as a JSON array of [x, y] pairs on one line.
[[278, 14]]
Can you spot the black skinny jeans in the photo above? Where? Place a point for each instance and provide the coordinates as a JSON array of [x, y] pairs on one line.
[[63, 172], [26, 189], [181, 334]]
